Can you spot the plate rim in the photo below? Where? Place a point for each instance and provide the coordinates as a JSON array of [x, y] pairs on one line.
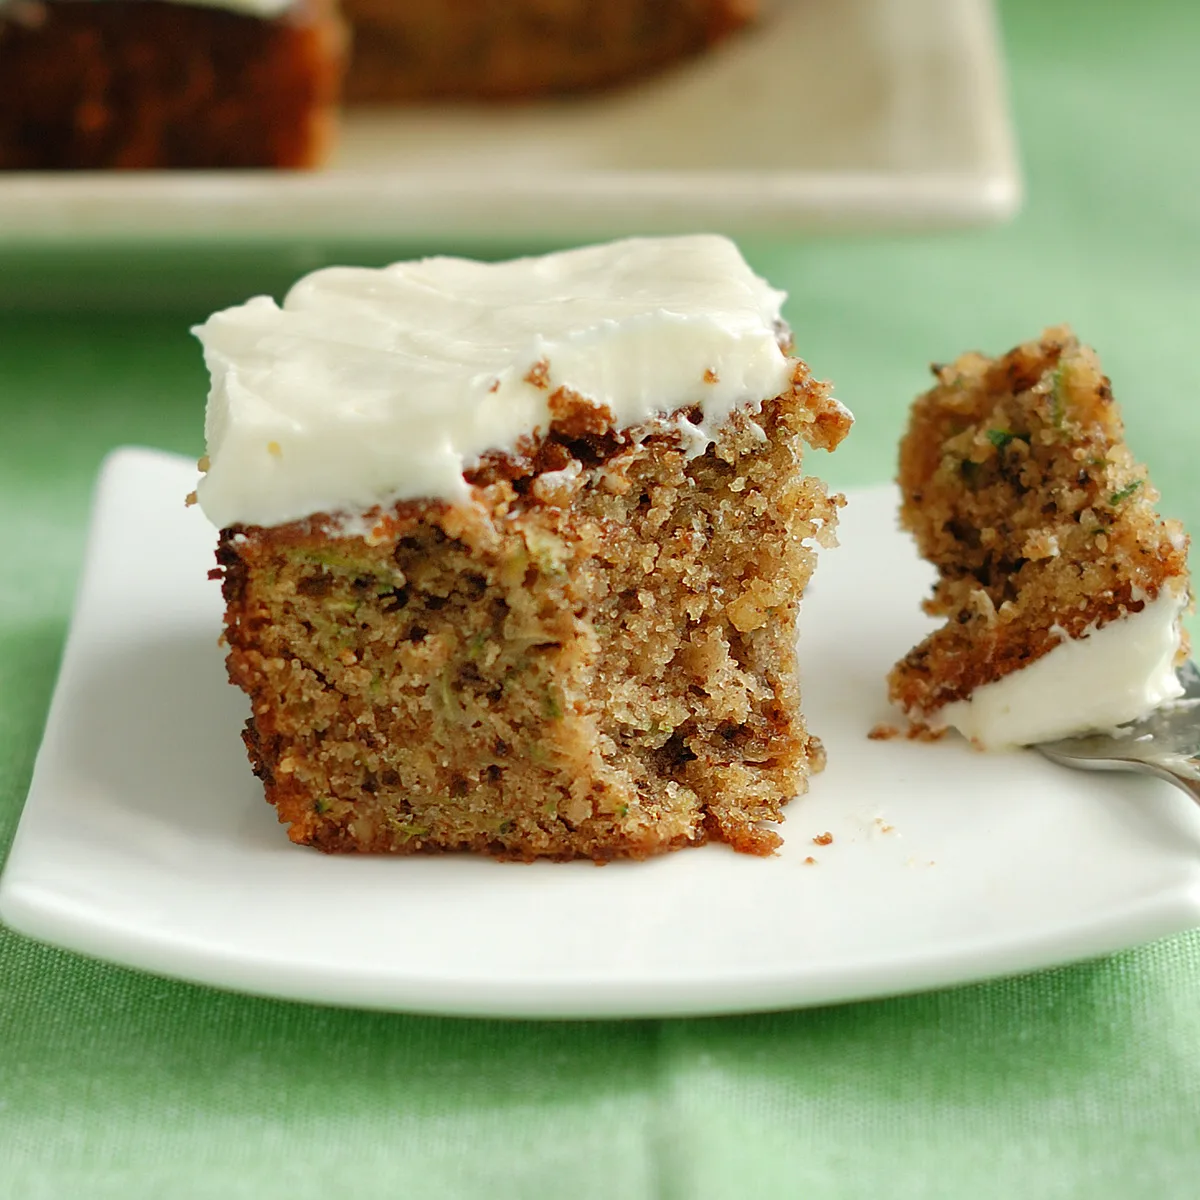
[[1159, 916]]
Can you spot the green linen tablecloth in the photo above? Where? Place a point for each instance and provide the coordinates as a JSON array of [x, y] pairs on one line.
[[1083, 1081]]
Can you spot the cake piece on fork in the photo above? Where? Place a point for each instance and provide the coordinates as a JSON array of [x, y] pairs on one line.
[[1062, 588]]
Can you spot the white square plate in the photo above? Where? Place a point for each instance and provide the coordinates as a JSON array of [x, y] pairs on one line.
[[831, 113], [145, 839]]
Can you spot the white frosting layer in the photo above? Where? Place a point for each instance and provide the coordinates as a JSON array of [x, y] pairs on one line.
[[373, 386], [267, 9], [1119, 672]]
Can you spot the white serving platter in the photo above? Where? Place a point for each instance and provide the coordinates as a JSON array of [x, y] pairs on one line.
[[145, 839], [833, 114]]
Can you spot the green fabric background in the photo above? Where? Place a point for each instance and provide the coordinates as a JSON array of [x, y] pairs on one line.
[[1083, 1081]]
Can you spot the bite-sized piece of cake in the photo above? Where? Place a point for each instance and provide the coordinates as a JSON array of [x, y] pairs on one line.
[[155, 83], [1061, 586], [517, 49], [513, 553]]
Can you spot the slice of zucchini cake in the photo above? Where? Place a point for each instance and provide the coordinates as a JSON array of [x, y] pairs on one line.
[[513, 553]]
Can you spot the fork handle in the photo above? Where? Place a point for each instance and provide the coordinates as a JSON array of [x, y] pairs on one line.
[[1185, 777]]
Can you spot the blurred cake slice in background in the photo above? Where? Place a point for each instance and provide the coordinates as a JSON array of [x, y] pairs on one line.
[[517, 49], [144, 84], [148, 84]]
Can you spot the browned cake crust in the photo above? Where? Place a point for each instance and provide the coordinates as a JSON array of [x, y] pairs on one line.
[[1018, 486], [595, 657], [514, 49], [137, 83]]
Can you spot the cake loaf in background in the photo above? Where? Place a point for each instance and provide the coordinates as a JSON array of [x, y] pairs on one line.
[[136, 84], [145, 84], [519, 49]]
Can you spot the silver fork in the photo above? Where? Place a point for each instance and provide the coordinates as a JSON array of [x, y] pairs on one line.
[[1166, 743]]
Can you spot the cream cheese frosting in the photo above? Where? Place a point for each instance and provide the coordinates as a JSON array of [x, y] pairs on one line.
[[1117, 673], [372, 386], [266, 9]]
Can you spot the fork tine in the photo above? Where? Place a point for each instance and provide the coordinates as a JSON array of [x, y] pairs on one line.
[[1166, 743], [1189, 676]]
